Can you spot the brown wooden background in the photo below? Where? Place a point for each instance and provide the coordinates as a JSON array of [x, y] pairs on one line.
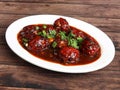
[[17, 74]]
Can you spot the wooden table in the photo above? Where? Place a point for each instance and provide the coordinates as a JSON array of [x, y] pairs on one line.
[[17, 74]]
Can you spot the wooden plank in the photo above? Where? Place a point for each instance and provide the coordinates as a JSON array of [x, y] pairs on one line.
[[34, 77], [64, 9], [15, 88], [108, 2], [6, 20], [7, 57]]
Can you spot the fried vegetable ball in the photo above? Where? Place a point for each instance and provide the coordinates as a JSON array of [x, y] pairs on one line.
[[69, 55]]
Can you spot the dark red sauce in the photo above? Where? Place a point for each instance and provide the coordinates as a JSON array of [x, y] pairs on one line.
[[59, 43]]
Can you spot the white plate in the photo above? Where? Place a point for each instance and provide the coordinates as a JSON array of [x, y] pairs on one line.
[[107, 47]]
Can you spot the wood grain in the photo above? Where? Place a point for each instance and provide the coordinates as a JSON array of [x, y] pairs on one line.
[[72, 9], [102, 2], [17, 74], [40, 78]]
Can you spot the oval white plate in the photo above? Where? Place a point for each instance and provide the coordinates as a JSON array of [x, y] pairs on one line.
[[107, 47]]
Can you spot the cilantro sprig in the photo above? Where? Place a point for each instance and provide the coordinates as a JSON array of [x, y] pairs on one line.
[[71, 38], [74, 41], [63, 35]]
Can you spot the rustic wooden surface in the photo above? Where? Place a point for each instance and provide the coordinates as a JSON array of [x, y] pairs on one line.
[[17, 74]]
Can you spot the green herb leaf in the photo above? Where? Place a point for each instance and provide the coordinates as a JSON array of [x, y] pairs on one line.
[[54, 44], [52, 32], [63, 35], [73, 42], [79, 39], [70, 35]]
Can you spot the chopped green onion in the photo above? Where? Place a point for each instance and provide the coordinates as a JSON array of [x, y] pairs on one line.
[[44, 26], [42, 33], [39, 33], [51, 33], [25, 40], [37, 27], [49, 36], [25, 44], [54, 44]]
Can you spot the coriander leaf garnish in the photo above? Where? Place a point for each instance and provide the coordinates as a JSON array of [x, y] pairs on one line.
[[63, 35], [79, 39], [73, 42], [52, 32], [70, 35]]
